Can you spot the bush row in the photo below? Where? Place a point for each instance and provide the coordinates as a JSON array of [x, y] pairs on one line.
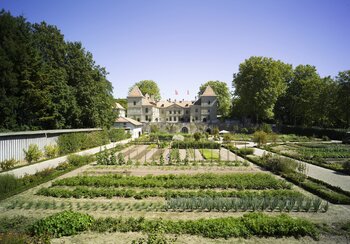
[[10, 185], [88, 192], [332, 194], [257, 181], [319, 132], [73, 142], [252, 224]]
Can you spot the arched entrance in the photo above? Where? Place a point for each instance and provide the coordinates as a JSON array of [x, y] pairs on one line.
[[184, 130]]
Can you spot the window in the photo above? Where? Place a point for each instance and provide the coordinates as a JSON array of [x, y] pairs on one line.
[[179, 112], [170, 112], [208, 110], [146, 117], [138, 119], [196, 110], [146, 110], [196, 118], [209, 102], [186, 111], [134, 103], [170, 118]]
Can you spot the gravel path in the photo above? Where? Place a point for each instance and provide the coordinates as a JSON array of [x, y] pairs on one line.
[[329, 176], [52, 163]]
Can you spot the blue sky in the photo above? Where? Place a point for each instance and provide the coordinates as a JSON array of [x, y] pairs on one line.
[[181, 44]]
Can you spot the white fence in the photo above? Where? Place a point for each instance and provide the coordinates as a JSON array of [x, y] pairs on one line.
[[12, 144]]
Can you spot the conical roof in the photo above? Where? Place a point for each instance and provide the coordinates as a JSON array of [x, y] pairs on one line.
[[135, 92], [208, 92]]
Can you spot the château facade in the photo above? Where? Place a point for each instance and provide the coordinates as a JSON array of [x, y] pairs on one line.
[[144, 108]]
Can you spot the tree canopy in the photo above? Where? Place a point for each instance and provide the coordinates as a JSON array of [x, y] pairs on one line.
[[149, 87], [223, 93], [47, 82], [258, 84]]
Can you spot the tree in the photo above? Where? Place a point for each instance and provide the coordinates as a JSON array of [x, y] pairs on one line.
[[48, 83], [302, 96], [149, 87], [223, 93], [343, 81], [258, 84]]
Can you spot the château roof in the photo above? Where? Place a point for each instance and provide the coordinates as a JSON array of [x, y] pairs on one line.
[[127, 120], [135, 92], [118, 106], [208, 92]]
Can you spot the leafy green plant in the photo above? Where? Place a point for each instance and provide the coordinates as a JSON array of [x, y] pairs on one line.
[[8, 164], [33, 153], [260, 137], [8, 183], [246, 151], [79, 160], [51, 151], [62, 224]]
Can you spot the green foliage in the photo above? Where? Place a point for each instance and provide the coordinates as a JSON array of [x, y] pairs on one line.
[[117, 134], [62, 224], [260, 137], [149, 87], [197, 181], [8, 183], [33, 154], [266, 128], [16, 223], [258, 84], [108, 192], [248, 203], [155, 235], [50, 83], [197, 136], [223, 95], [79, 160], [51, 151], [246, 151], [279, 164], [8, 164], [252, 224]]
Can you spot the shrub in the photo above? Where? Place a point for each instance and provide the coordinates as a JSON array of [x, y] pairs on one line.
[[33, 153], [8, 164], [117, 134], [94, 139], [62, 224], [195, 144], [69, 143], [346, 166], [260, 137], [197, 136], [246, 151], [280, 164], [265, 128], [8, 183], [227, 137], [51, 151], [79, 160]]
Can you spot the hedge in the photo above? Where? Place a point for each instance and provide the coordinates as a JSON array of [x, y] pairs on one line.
[[195, 145], [334, 134]]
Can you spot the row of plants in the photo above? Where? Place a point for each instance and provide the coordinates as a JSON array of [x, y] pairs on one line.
[[147, 206], [195, 144], [67, 143], [10, 185], [252, 203], [295, 173], [258, 181], [253, 224], [73, 142], [314, 159], [330, 193], [109, 192]]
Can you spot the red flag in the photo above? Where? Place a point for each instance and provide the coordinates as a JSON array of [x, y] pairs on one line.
[[176, 93]]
